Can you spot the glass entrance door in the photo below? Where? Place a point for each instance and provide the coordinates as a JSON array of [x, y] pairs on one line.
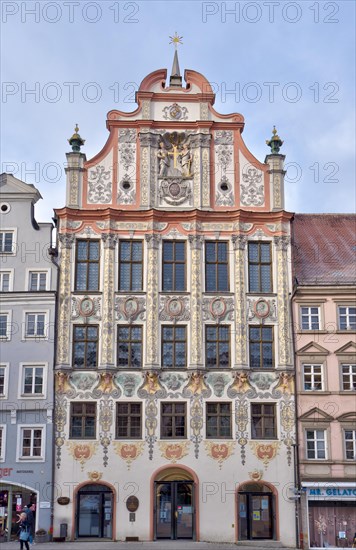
[[94, 513], [255, 516], [174, 510]]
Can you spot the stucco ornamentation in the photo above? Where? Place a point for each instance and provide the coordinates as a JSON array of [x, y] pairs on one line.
[[153, 241], [82, 452], [86, 307], [95, 476], [105, 423], [262, 380], [265, 451], [239, 243], [172, 381], [151, 423], [127, 155], [282, 244], [130, 308], [174, 451], [128, 451], [175, 112], [262, 309], [127, 135], [175, 190], [218, 309], [99, 185], [196, 325], [196, 423], [252, 187], [128, 382], [224, 192], [83, 381], [174, 308], [256, 475], [218, 382], [219, 451], [196, 385], [224, 137], [126, 193]]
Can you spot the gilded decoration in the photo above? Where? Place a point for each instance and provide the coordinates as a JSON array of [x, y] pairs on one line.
[[151, 385], [240, 384], [174, 308], [61, 383], [130, 308], [128, 451], [151, 423], [174, 451], [128, 382], [100, 185], [265, 451], [287, 416], [218, 382], [196, 325], [219, 451], [242, 421], [285, 383], [86, 307], [218, 309], [82, 452], [105, 423], [256, 475], [196, 385], [239, 243], [196, 423], [95, 476]]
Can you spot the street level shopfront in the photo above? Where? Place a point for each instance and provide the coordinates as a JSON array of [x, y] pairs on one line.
[[330, 513]]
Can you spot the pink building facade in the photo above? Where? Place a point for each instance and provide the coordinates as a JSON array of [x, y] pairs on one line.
[[324, 312]]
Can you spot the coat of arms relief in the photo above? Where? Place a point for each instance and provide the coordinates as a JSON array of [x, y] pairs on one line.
[[175, 168]]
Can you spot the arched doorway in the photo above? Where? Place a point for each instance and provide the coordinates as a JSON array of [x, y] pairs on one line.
[[95, 511], [174, 510], [256, 509]]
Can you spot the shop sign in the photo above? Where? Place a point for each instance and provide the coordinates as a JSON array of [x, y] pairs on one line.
[[5, 472], [332, 492]]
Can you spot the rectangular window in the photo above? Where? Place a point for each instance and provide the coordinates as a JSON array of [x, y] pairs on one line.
[[217, 346], [5, 281], [263, 421], [173, 417], [218, 420], [216, 266], [129, 346], [174, 266], [260, 267], [35, 324], [316, 444], [348, 377], [2, 443], [312, 377], [85, 346], [310, 317], [347, 318], [32, 380], [128, 421], [174, 346], [4, 325], [130, 265], [37, 281], [350, 444], [82, 420], [261, 347], [87, 263], [6, 242], [31, 442], [2, 381]]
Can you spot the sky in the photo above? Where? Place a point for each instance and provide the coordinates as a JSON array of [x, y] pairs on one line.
[[289, 64]]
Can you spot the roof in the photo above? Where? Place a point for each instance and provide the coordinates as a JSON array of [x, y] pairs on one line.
[[324, 248]]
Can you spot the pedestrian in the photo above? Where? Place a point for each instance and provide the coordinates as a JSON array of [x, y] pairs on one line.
[[29, 511], [24, 531]]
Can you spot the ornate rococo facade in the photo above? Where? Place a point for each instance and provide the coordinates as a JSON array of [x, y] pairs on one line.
[[176, 170]]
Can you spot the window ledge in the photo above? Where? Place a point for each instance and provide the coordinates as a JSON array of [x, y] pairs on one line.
[[32, 396], [315, 392], [86, 292], [313, 331], [345, 331]]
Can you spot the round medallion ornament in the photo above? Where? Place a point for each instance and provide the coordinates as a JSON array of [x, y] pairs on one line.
[[131, 307], [63, 501], [86, 307], [262, 309], [174, 307], [218, 307], [132, 503], [174, 189]]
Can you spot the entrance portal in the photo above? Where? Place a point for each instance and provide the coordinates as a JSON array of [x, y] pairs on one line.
[[95, 511], [256, 512]]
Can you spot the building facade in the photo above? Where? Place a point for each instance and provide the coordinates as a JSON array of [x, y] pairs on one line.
[[325, 321], [27, 317], [174, 413]]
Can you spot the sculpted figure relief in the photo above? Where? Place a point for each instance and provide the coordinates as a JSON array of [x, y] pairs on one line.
[[163, 159]]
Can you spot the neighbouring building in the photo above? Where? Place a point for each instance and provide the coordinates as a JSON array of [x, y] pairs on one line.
[[174, 413], [27, 317], [325, 344]]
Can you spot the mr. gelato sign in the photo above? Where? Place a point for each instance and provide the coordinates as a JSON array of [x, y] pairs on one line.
[[332, 492]]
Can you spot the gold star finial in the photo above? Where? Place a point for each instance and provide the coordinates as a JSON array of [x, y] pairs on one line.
[[176, 40]]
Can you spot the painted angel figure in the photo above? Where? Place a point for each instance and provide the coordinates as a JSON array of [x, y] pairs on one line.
[[163, 159]]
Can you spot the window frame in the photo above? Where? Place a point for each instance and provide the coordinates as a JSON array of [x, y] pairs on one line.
[[128, 415], [9, 272], [5, 366], [3, 442], [173, 415], [217, 342], [131, 263], [312, 375], [130, 341], [263, 417], [86, 327], [352, 440], [83, 416], [217, 263], [218, 415], [174, 343], [260, 264], [309, 317], [19, 449], [350, 375], [13, 232], [29, 272], [32, 365], [8, 314], [315, 430], [347, 315], [87, 262], [35, 336], [261, 342], [174, 262]]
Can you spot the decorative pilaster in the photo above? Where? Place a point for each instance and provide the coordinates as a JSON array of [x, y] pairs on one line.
[[196, 346], [282, 245], [239, 243], [66, 241], [107, 339], [153, 242]]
